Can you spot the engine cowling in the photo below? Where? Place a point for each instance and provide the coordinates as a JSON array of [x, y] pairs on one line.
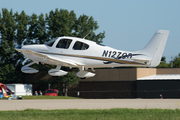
[[55, 72], [85, 74]]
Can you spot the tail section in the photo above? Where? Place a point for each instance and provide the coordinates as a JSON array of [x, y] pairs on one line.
[[155, 48]]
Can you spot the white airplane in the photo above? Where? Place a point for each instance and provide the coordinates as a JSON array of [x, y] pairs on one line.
[[84, 54]]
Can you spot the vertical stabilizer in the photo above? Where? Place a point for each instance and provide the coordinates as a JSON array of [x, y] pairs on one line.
[[155, 48]]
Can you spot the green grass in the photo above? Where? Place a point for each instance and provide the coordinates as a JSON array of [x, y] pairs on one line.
[[111, 114], [47, 97]]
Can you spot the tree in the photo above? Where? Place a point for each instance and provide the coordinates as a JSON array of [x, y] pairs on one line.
[[86, 25], [32, 29], [163, 63], [42, 35], [21, 27], [60, 23], [9, 67], [64, 23], [7, 30], [176, 61], [21, 34], [68, 81]]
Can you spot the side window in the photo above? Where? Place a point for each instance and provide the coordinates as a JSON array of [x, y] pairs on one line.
[[80, 46], [64, 43]]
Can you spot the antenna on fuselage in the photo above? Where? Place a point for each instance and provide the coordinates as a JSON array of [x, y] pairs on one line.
[[87, 35]]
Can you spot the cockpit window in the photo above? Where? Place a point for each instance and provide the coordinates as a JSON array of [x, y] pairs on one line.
[[80, 46], [64, 43], [51, 42]]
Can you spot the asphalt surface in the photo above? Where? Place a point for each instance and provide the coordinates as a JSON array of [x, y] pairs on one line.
[[89, 104]]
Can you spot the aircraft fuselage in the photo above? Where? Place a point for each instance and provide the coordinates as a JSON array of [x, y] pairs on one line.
[[84, 54], [96, 55]]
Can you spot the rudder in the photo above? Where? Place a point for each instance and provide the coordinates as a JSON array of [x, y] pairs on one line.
[[155, 48]]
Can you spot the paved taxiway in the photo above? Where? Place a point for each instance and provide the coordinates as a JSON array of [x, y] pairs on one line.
[[89, 104]]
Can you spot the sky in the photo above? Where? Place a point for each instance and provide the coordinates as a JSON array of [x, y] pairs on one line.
[[128, 24]]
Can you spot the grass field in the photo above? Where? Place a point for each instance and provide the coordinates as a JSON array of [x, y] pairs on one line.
[[111, 114], [46, 97]]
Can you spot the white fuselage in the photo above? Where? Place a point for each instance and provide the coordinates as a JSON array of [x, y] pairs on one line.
[[84, 54], [95, 56]]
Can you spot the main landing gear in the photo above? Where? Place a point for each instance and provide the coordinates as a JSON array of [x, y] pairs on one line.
[[57, 72]]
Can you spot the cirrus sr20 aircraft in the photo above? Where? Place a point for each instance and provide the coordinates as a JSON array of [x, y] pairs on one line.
[[84, 54]]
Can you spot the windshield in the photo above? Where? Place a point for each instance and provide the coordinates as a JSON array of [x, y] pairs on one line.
[[50, 91], [51, 42]]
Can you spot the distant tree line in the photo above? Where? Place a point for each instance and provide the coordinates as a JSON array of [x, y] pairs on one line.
[[174, 63], [17, 29]]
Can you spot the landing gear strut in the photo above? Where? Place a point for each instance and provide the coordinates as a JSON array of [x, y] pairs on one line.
[[84, 74], [57, 71]]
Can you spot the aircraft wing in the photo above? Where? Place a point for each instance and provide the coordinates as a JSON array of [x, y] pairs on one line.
[[50, 58]]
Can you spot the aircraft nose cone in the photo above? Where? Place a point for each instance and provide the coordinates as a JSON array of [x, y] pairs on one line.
[[19, 47]]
